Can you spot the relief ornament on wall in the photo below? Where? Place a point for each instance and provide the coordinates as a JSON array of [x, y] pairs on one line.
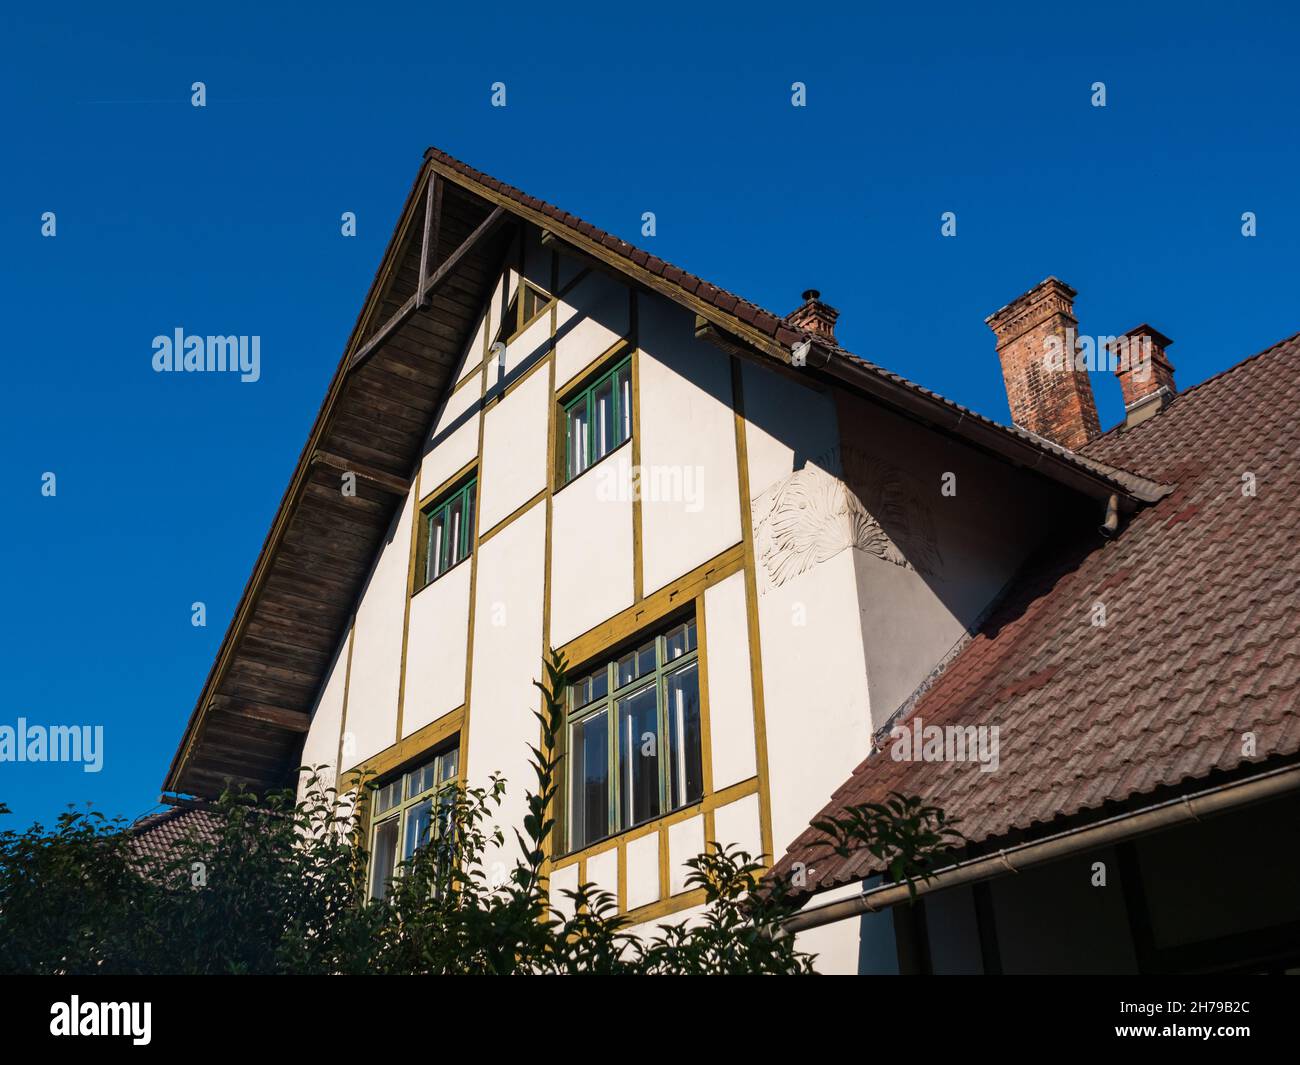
[[812, 515]]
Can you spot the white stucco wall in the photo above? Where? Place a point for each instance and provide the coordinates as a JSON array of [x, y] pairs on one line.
[[453, 442], [730, 692], [371, 723], [472, 358], [814, 670], [321, 747], [507, 659], [591, 548], [528, 347], [589, 319], [685, 841], [688, 438], [913, 615], [514, 462], [643, 871], [737, 824], [436, 650]]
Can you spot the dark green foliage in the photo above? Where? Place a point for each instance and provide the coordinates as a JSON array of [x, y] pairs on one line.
[[283, 889], [908, 836]]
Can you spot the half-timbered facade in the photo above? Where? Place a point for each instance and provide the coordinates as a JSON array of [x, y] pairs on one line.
[[751, 546]]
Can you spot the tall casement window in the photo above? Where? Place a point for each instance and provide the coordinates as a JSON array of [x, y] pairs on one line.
[[408, 812], [446, 533], [598, 419], [634, 737]]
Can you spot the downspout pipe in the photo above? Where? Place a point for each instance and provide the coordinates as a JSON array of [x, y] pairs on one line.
[[1110, 526], [1163, 815]]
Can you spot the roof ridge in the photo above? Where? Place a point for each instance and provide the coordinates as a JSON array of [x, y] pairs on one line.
[[779, 328]]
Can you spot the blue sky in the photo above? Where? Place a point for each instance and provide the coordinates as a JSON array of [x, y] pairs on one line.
[[225, 219]]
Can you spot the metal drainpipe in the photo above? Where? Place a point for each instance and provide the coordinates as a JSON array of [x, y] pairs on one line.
[[1014, 859]]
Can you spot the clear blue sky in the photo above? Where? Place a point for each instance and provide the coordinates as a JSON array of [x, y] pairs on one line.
[[226, 220]]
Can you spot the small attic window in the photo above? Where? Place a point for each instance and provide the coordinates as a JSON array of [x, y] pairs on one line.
[[527, 303]]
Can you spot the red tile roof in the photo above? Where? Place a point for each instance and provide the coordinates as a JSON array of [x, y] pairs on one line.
[[157, 834], [1201, 643]]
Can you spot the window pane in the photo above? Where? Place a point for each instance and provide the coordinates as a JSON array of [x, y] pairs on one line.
[[446, 803], [636, 664], [388, 796], [419, 818], [448, 763], [602, 412], [383, 858], [534, 301], [679, 641], [591, 687], [419, 780], [578, 437], [638, 756], [455, 529], [685, 772], [437, 544], [467, 537], [623, 386], [589, 763]]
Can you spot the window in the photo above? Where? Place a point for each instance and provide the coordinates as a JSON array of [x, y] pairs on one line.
[[526, 304], [598, 419], [634, 737], [446, 533], [409, 811]]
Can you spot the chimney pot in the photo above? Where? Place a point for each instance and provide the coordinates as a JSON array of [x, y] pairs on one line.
[[1048, 394], [814, 316]]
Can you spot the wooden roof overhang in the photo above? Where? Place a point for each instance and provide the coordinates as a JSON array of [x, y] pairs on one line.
[[253, 712]]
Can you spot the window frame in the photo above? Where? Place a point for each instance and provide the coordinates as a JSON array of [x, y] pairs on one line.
[[465, 492], [607, 704], [509, 330], [406, 802], [584, 396]]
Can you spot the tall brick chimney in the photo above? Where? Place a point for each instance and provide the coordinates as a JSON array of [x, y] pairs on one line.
[[1035, 341], [815, 316], [1146, 376]]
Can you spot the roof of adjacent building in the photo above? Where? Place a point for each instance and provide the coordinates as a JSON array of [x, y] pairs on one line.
[[1200, 646], [156, 835]]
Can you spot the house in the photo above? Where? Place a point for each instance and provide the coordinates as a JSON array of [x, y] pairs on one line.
[[752, 547]]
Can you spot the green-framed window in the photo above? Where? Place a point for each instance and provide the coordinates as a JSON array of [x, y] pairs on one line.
[[409, 811], [447, 532], [633, 735], [598, 419]]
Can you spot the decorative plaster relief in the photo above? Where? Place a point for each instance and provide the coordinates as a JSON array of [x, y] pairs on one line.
[[812, 515]]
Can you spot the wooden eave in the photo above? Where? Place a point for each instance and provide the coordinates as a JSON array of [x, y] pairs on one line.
[[248, 725]]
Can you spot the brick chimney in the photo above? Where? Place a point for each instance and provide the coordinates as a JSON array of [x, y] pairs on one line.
[[1036, 343], [1146, 376], [815, 316]]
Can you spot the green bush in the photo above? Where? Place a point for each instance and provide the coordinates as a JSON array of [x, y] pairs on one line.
[[282, 888]]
